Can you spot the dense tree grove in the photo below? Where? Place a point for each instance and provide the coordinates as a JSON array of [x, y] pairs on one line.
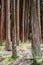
[[20, 21]]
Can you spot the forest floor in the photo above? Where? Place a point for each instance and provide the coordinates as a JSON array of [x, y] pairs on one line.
[[24, 54]]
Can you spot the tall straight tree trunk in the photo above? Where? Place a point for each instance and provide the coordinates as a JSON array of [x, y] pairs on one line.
[[42, 23], [20, 11], [27, 20], [23, 18], [35, 30], [4, 28], [2, 21], [8, 40], [25, 23], [14, 28], [38, 16], [17, 26]]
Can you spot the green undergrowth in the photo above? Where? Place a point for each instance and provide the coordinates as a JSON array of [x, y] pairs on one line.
[[9, 60], [37, 62]]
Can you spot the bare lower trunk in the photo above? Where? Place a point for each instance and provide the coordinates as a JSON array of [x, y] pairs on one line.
[[14, 53], [23, 15], [2, 21], [26, 20], [17, 26], [35, 30], [8, 40], [38, 16], [42, 23]]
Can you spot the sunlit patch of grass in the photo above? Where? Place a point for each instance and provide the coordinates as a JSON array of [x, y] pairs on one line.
[[2, 53], [24, 45], [0, 56], [41, 45], [21, 46], [9, 60], [2, 48]]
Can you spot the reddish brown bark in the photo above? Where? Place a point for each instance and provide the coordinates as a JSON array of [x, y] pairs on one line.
[[36, 32], [8, 40], [42, 23], [2, 21], [23, 17], [14, 28], [27, 20], [17, 23], [38, 16]]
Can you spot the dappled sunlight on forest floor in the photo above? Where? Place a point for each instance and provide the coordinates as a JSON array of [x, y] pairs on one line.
[[24, 53]]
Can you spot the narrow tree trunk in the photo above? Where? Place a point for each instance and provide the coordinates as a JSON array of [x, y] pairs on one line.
[[17, 26], [25, 23], [20, 11], [38, 16], [42, 23], [14, 28], [4, 23], [27, 20], [4, 28], [35, 30], [2, 20], [8, 40], [23, 15]]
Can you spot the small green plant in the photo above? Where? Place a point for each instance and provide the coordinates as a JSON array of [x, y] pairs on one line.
[[10, 58]]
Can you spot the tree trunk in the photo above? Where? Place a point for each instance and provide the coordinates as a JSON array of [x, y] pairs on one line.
[[35, 30], [14, 53], [2, 21], [27, 20], [8, 40], [20, 12], [42, 23], [38, 16], [17, 26], [23, 18]]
